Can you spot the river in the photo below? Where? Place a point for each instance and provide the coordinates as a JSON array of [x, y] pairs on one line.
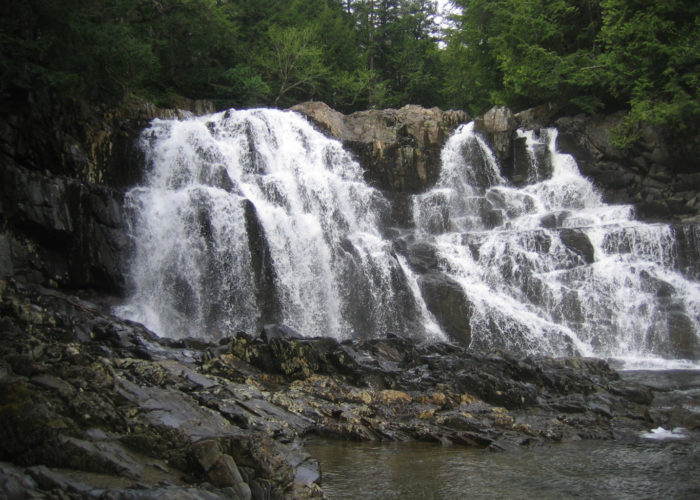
[[661, 463]]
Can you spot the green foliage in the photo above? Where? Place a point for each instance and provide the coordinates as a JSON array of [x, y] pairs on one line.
[[474, 80], [652, 61], [520, 52], [400, 50], [350, 53], [589, 55], [76, 48], [294, 61]]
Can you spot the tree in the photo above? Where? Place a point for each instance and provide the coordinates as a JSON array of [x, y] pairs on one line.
[[474, 80], [294, 62], [73, 48], [400, 49], [652, 61], [520, 52]]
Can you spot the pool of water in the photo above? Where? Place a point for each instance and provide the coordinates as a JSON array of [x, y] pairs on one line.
[[644, 469], [662, 463]]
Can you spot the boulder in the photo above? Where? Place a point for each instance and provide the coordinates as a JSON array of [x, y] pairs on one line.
[[577, 241], [498, 125], [683, 341], [273, 331], [399, 149], [422, 256], [446, 300]]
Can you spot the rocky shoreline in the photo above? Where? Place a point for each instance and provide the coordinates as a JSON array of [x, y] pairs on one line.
[[97, 407]]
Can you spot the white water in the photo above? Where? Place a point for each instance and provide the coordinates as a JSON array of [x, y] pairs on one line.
[[549, 267], [194, 268], [661, 434], [251, 217]]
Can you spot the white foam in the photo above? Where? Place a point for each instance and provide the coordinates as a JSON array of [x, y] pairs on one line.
[[653, 363], [193, 273], [661, 434], [607, 287]]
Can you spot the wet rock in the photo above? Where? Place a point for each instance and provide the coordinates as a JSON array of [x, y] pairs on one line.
[[73, 234], [446, 300], [86, 405], [687, 249], [270, 332], [89, 143], [653, 210], [657, 286], [683, 341], [577, 241], [518, 170], [549, 221], [538, 117], [422, 257], [498, 124], [261, 262], [218, 177], [6, 257], [398, 148], [194, 419], [221, 468], [653, 174]]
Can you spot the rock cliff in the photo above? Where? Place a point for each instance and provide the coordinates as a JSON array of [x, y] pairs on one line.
[[398, 148], [64, 172], [658, 175], [400, 152]]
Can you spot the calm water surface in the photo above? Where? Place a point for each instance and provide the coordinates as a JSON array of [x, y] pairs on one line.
[[661, 465], [643, 469]]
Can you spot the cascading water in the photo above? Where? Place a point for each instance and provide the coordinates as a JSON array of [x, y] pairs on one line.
[[249, 217], [548, 267]]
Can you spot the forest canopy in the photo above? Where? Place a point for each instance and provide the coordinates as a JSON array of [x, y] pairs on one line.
[[586, 55]]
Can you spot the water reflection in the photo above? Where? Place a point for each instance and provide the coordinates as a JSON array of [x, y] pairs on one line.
[[589, 469]]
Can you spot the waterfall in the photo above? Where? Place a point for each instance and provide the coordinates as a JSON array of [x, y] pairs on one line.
[[253, 217], [250, 217], [548, 267]]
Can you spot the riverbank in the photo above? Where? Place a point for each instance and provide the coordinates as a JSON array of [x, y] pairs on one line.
[[93, 405]]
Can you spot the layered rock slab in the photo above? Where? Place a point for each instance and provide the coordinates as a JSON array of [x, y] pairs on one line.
[[399, 149], [100, 407]]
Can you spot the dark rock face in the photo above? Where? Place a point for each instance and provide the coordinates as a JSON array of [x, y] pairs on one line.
[[498, 125], [687, 238], [657, 175], [76, 140], [262, 265], [577, 241], [64, 169], [398, 148], [446, 300], [421, 256], [62, 232]]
